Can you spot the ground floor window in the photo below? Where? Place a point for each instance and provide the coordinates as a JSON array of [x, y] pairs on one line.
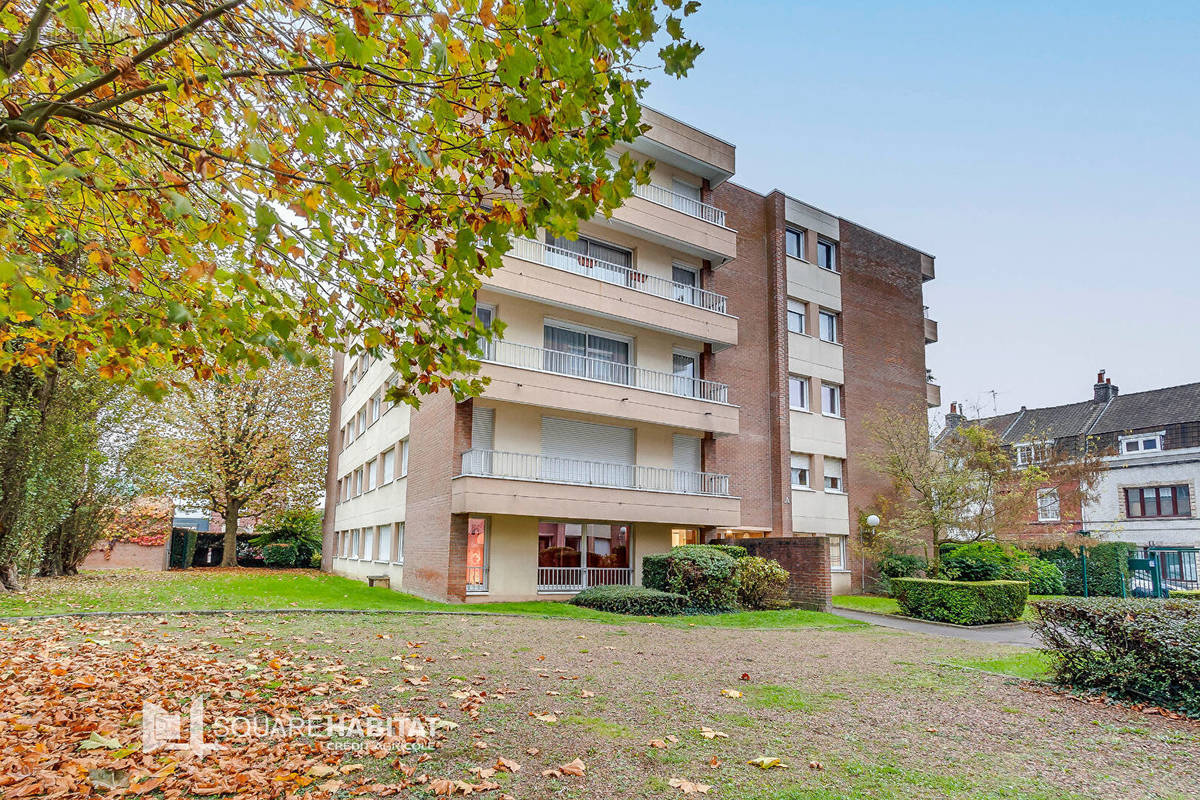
[[838, 561], [398, 544], [680, 536], [477, 554], [575, 555]]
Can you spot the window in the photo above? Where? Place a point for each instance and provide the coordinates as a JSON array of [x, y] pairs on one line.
[[1142, 442], [794, 240], [795, 316], [368, 543], [798, 392], [833, 475], [389, 466], [354, 543], [588, 354], [831, 399], [375, 403], [348, 434], [384, 538], [837, 554], [404, 458], [398, 544], [800, 465], [1047, 505], [477, 555], [1032, 453], [358, 481], [686, 281], [1158, 501], [372, 474], [828, 324], [686, 368], [362, 420], [589, 254], [827, 254]]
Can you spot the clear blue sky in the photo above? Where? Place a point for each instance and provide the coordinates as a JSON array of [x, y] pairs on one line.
[[1046, 153]]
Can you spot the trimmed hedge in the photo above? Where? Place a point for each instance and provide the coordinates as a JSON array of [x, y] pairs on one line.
[[280, 554], [1138, 650], [654, 571], [1108, 568], [631, 600], [1185, 594], [961, 602], [762, 583]]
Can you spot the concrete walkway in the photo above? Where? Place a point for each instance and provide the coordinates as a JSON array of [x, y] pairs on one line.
[[1017, 633]]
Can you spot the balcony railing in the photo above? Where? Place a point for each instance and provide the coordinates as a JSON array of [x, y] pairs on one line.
[[576, 579], [552, 469], [561, 258], [680, 202], [599, 369], [477, 580]]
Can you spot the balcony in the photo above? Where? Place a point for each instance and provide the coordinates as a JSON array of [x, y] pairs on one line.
[[677, 221], [527, 484], [567, 580], [931, 328], [933, 395]]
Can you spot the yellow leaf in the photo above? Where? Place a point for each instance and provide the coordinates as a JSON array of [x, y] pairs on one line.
[[765, 762], [731, 693], [140, 245]]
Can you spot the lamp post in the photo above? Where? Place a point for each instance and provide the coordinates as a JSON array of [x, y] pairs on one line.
[[872, 521]]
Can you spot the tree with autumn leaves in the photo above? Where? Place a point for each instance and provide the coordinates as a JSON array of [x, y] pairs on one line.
[[191, 189], [246, 447]]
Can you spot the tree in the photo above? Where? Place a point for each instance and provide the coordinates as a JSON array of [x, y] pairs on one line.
[[252, 445], [208, 185], [968, 488]]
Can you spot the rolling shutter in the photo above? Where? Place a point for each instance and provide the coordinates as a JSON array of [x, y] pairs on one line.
[[483, 424], [685, 458], [587, 441]]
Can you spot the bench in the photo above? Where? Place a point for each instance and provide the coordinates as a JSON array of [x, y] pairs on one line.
[[379, 580]]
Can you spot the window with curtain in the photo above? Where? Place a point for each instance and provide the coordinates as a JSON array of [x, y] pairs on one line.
[[834, 482], [686, 368], [404, 458], [398, 544], [796, 311], [585, 353], [385, 543], [798, 392], [1048, 505], [372, 474], [800, 465], [389, 465], [1158, 501]]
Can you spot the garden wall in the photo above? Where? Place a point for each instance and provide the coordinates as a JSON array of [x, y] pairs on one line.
[[126, 555], [806, 558]]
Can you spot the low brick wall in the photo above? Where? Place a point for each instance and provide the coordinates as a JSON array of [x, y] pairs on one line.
[[125, 555], [806, 558]]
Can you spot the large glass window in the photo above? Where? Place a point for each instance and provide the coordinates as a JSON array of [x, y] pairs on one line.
[[566, 544], [1158, 501], [477, 554], [794, 239], [588, 354]]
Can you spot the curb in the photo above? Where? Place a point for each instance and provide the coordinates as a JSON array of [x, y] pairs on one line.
[[991, 626]]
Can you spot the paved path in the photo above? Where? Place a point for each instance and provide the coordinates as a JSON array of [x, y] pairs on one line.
[[1018, 633]]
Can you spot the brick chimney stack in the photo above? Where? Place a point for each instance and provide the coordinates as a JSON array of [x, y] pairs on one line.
[[1104, 390], [955, 417]]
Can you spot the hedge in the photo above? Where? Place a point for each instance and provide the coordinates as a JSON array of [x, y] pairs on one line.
[[961, 602], [761, 584], [280, 554], [654, 571], [705, 575], [1140, 650], [1108, 568], [631, 600], [1185, 594]]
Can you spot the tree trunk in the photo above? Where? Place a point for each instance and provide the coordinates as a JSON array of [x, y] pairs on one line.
[[229, 557], [8, 578]]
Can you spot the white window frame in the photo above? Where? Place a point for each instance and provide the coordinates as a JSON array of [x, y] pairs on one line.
[[804, 380], [1157, 437], [354, 544], [798, 307], [379, 537], [398, 542], [843, 546], [383, 464], [840, 477], [834, 266], [1027, 453], [371, 475], [1043, 516], [403, 473], [807, 471], [803, 236], [837, 395], [835, 322], [358, 482], [587, 329]]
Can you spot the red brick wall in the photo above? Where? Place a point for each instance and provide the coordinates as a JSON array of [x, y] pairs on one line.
[[126, 555], [806, 558], [884, 351], [756, 369], [1050, 534]]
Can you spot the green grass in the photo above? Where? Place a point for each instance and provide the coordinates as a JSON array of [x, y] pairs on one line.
[[200, 590], [1032, 664], [789, 698], [888, 605]]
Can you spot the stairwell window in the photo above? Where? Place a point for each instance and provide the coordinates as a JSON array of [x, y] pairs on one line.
[[798, 392], [796, 312], [794, 241], [831, 400], [1048, 505], [834, 482], [800, 466], [829, 325], [827, 255]]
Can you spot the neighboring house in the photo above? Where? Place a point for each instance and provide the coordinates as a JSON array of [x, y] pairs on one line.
[[1151, 446], [694, 368]]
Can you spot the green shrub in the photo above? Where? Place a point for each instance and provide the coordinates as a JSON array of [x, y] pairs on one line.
[[705, 575], [654, 571], [1045, 577], [961, 602], [631, 600], [979, 561], [1108, 568], [280, 554], [1185, 594], [299, 527], [734, 551], [1140, 650], [762, 583], [901, 565]]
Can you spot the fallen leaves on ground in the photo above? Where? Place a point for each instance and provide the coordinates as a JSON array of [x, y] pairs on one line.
[[688, 787], [575, 767], [731, 693], [766, 762], [709, 733]]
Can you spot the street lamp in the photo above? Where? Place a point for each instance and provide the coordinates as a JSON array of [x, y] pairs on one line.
[[872, 521]]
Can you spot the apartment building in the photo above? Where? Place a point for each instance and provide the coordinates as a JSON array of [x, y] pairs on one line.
[[644, 395], [1150, 443], [833, 327]]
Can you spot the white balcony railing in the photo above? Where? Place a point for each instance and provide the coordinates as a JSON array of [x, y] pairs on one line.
[[561, 258], [680, 202], [576, 579], [599, 369], [551, 469], [477, 580]]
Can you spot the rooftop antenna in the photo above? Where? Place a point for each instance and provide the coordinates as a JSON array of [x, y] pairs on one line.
[[994, 394]]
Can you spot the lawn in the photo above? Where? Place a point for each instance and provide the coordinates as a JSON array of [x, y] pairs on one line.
[[247, 589], [862, 712], [887, 605]]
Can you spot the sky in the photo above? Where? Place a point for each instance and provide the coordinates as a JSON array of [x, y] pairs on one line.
[[1047, 153]]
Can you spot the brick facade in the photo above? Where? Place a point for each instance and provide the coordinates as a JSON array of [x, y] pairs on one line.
[[883, 335], [806, 558]]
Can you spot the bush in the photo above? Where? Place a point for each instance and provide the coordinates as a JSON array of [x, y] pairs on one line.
[[705, 575], [762, 583], [631, 600], [961, 602], [901, 565], [734, 551], [1045, 577], [654, 571], [979, 561], [280, 554], [1108, 568], [299, 527], [1185, 594], [1139, 650]]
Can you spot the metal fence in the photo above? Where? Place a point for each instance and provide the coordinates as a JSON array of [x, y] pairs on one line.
[[533, 467], [680, 202], [601, 369], [477, 579], [576, 579], [1176, 569], [563, 259]]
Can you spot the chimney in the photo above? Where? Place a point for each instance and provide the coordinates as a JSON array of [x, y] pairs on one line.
[[955, 417], [1104, 390]]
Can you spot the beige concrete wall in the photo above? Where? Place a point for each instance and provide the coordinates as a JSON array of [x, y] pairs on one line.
[[818, 511], [808, 355], [808, 282], [813, 432], [359, 570], [843, 583], [681, 231], [687, 140]]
